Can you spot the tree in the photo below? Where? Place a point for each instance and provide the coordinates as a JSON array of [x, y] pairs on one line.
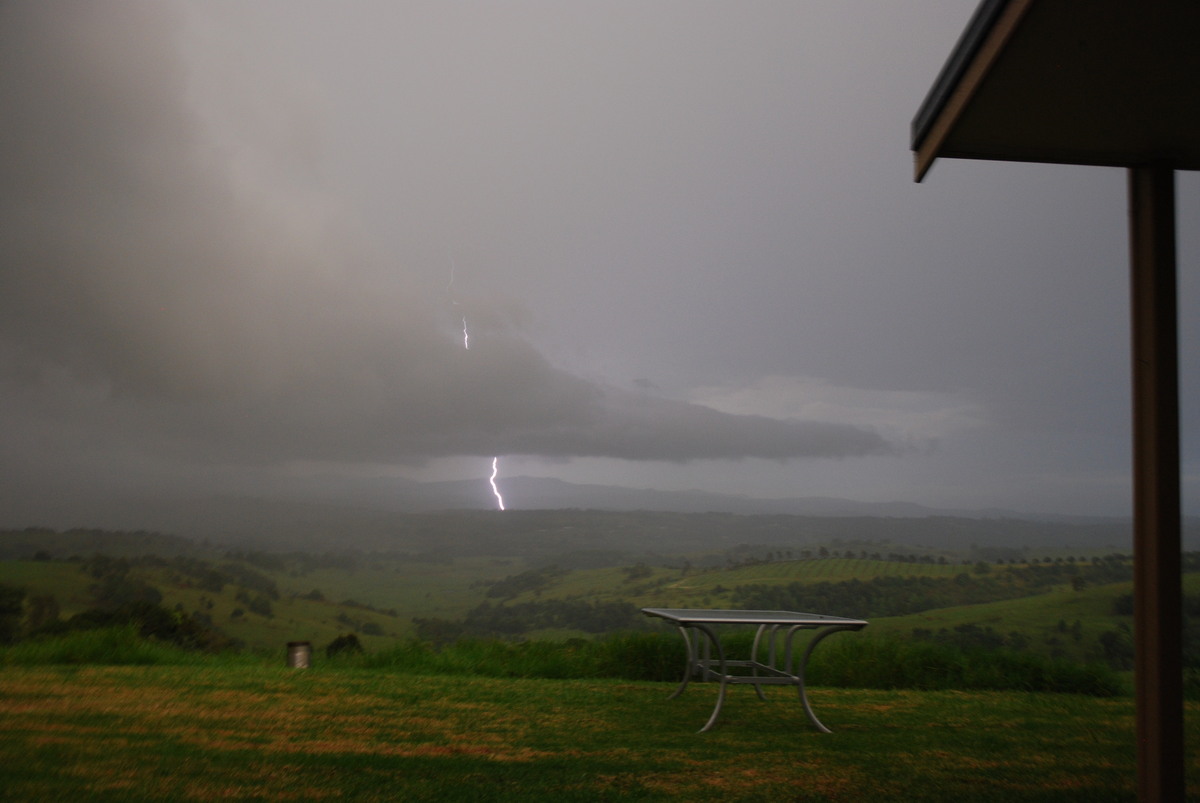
[[344, 644], [43, 609], [115, 590], [1117, 646], [11, 603]]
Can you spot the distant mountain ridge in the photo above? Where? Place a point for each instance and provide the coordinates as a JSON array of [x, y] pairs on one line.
[[547, 517], [535, 493], [548, 493], [332, 499]]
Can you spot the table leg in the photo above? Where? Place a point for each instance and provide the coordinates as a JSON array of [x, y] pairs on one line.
[[816, 639], [715, 642], [689, 667], [770, 654]]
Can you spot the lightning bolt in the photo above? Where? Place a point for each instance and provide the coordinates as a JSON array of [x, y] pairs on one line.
[[454, 301], [467, 346], [492, 480]]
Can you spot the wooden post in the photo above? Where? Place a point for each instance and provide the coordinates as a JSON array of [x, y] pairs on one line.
[[1158, 624]]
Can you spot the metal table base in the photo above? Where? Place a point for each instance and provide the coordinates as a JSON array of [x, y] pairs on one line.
[[778, 668]]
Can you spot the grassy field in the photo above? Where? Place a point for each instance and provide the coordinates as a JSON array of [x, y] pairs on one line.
[[411, 588], [418, 589], [415, 588], [65, 581], [223, 730], [1037, 617], [671, 588]]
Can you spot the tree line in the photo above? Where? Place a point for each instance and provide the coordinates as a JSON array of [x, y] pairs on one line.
[[899, 596], [489, 620]]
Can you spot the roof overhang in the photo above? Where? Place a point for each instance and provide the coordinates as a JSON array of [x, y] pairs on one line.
[[1105, 82], [1102, 82]]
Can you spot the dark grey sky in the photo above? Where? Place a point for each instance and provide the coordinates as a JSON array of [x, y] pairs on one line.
[[239, 241]]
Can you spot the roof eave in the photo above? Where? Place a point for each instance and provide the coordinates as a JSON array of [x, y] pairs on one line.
[[980, 45]]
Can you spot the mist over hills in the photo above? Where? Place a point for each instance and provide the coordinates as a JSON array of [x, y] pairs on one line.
[[547, 515], [542, 493], [548, 493], [204, 513]]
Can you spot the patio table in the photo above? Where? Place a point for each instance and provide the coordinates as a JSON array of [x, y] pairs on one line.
[[778, 668]]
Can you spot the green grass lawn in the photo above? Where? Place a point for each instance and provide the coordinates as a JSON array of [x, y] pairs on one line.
[[220, 730]]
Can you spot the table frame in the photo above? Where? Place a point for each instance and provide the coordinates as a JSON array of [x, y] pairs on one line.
[[771, 626]]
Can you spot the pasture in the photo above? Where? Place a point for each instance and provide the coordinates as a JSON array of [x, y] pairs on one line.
[[230, 730], [672, 587], [379, 597]]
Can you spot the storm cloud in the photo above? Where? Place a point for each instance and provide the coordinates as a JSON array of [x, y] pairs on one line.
[[240, 242], [162, 290]]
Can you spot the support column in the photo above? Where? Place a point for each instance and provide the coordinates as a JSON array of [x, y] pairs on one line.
[[1158, 625]]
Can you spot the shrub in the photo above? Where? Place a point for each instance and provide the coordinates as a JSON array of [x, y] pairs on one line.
[[112, 646], [886, 663], [1191, 684], [640, 656], [341, 645], [149, 621], [633, 656], [12, 600], [1117, 647], [876, 663]]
